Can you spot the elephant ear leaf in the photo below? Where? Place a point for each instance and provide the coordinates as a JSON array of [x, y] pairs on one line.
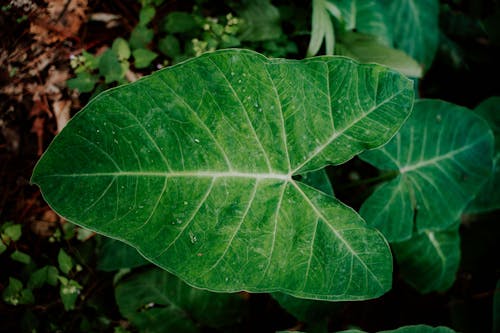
[[443, 155], [195, 166]]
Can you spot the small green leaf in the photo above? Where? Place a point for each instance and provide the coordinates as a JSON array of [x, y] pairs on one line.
[[146, 15], [3, 247], [367, 49], [488, 198], [14, 293], [121, 48], [13, 231], [179, 22], [69, 291], [110, 67], [143, 57], [443, 155], [429, 261], [46, 274], [169, 46], [20, 257], [195, 166], [159, 302], [115, 255], [65, 262], [140, 37], [84, 82]]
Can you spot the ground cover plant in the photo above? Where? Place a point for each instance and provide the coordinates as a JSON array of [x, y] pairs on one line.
[[294, 167]]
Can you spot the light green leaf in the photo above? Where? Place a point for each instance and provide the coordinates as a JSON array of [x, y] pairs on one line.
[[84, 82], [169, 46], [13, 231], [443, 155], [110, 67], [414, 24], [143, 57], [146, 15], [488, 198], [69, 291], [121, 48], [261, 21], [20, 257], [429, 261], [193, 166], [3, 247], [367, 49], [157, 301], [65, 262], [115, 255], [322, 29]]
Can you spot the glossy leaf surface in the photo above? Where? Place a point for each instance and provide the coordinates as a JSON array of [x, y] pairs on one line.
[[443, 155], [488, 198], [156, 301], [193, 166], [429, 261]]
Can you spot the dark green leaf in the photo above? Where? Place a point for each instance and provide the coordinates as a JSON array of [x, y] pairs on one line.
[[371, 19], [14, 293], [496, 308], [443, 154], [429, 261], [140, 37], [157, 301], [178, 22], [319, 180], [488, 198], [415, 27], [420, 329], [194, 164], [115, 255], [169, 46], [110, 67], [46, 274], [3, 247]]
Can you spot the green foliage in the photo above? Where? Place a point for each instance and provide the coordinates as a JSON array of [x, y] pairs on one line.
[[239, 174]]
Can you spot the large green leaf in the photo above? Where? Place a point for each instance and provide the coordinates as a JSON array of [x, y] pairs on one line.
[[371, 19], [443, 155], [407, 329], [156, 301], [414, 27], [429, 261], [488, 198], [193, 166]]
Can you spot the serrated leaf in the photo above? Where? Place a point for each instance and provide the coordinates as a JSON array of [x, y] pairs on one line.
[[193, 166], [429, 261], [157, 301], [415, 27], [110, 67], [488, 198], [443, 154]]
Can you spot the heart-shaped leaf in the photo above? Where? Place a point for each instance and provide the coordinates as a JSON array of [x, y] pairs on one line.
[[193, 166], [443, 155]]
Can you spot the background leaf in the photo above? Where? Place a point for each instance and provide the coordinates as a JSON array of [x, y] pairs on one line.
[[115, 255], [414, 27], [488, 198], [261, 20], [156, 301], [429, 261], [194, 165], [440, 170]]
